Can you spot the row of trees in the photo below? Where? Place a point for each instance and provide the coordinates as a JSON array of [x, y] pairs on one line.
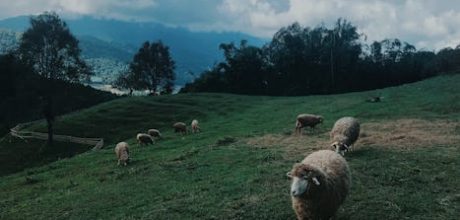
[[302, 60], [48, 55]]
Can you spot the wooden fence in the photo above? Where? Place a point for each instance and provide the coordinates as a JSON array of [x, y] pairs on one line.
[[98, 143]]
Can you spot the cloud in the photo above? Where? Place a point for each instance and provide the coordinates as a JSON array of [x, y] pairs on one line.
[[430, 24], [119, 9]]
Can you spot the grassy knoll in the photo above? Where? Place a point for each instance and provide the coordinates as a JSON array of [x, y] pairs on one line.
[[235, 168]]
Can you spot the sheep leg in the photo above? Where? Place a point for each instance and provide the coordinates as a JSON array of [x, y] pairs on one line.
[[298, 130], [298, 127]]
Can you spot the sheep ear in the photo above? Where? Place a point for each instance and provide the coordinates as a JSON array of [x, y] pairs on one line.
[[316, 181], [289, 174], [338, 148]]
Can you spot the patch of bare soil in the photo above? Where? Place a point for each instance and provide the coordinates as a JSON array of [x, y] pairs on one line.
[[393, 134]]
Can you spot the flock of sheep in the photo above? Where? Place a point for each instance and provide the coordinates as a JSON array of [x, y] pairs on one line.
[[122, 148], [320, 183]]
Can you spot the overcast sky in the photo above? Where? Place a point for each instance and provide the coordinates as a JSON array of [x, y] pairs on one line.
[[429, 24]]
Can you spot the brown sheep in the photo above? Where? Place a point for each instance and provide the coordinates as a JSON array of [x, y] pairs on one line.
[[154, 133], [180, 127], [307, 120], [144, 139]]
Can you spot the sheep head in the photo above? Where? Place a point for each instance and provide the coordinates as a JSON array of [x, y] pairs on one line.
[[340, 147], [320, 119], [304, 177]]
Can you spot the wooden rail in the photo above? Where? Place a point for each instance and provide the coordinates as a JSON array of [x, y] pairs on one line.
[[98, 143]]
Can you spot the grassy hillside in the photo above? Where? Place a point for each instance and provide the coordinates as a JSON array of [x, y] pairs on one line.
[[405, 165]]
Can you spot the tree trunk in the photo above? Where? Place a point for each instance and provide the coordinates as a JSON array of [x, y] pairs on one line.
[[48, 112], [50, 131], [332, 64]]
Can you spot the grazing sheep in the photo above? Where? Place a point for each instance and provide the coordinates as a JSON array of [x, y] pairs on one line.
[[154, 133], [180, 127], [344, 134], [374, 99], [307, 120], [122, 152], [195, 127], [145, 139], [320, 184]]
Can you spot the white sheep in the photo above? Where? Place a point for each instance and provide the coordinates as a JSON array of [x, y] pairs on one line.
[[154, 133], [180, 127], [195, 127], [144, 139], [320, 184], [122, 152], [344, 134], [307, 120]]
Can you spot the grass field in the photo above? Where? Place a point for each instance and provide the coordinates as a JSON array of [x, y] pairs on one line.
[[405, 165]]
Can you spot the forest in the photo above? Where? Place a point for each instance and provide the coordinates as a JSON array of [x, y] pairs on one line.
[[321, 60]]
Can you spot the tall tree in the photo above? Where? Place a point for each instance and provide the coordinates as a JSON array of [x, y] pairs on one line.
[[289, 54], [52, 51], [152, 68], [244, 68], [344, 51]]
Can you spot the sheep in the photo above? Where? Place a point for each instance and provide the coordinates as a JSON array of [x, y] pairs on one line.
[[122, 152], [320, 184], [144, 139], [180, 127], [344, 134], [307, 120], [374, 99], [154, 133], [195, 127]]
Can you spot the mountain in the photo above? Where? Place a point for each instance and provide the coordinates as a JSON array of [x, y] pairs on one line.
[[119, 40], [8, 40], [93, 47]]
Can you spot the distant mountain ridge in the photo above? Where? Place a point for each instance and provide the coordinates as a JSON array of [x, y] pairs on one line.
[[119, 40]]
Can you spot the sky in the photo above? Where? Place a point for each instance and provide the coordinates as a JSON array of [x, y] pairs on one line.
[[427, 24]]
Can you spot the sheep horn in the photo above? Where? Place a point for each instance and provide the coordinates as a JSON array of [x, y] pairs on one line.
[[316, 181]]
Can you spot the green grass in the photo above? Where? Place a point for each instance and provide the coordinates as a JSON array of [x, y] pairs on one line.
[[217, 175]]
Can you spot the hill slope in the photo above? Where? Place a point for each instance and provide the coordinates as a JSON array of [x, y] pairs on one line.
[[405, 164]]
